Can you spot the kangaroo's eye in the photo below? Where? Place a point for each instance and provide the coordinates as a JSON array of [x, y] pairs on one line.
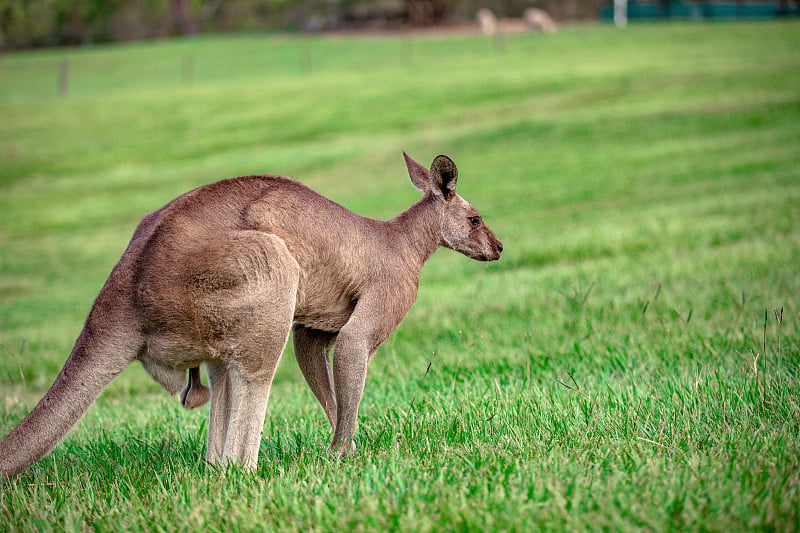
[[475, 221]]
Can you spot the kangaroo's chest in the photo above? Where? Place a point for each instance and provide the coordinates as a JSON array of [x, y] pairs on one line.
[[326, 295], [323, 305]]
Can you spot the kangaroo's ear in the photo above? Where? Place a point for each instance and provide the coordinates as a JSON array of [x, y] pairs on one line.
[[444, 175], [418, 174]]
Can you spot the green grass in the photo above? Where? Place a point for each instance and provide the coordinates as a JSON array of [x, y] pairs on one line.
[[612, 371]]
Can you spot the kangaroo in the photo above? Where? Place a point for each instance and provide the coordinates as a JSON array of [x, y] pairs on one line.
[[220, 276]]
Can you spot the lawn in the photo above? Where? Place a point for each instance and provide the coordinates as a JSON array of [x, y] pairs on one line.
[[631, 363]]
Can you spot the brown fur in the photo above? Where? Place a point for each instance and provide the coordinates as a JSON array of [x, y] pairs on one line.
[[220, 274]]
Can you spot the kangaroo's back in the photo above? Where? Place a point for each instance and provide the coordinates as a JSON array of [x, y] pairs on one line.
[[331, 244], [336, 249]]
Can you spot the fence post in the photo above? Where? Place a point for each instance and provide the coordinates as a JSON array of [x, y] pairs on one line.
[[187, 69], [305, 55], [500, 41], [409, 50], [63, 78]]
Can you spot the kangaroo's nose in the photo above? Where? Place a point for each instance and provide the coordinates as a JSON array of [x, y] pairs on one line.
[[500, 247]]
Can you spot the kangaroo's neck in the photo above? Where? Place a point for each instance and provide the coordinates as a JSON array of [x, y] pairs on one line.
[[418, 230]]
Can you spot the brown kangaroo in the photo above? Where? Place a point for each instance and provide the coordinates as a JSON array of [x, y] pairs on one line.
[[220, 274]]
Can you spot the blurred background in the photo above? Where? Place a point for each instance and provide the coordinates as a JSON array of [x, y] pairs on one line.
[[33, 23]]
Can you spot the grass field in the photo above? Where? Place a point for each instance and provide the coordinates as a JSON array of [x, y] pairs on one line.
[[631, 363]]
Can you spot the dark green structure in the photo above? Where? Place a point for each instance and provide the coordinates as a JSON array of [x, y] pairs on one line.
[[710, 10]]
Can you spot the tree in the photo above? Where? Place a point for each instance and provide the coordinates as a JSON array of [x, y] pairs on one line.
[[428, 12], [181, 18]]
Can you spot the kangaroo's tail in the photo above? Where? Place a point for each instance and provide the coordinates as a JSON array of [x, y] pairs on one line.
[[98, 357]]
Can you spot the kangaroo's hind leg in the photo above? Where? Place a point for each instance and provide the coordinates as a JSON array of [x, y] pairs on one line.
[[219, 412], [251, 325]]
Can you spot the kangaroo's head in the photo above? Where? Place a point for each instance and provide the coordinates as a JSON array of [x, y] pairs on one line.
[[462, 228]]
